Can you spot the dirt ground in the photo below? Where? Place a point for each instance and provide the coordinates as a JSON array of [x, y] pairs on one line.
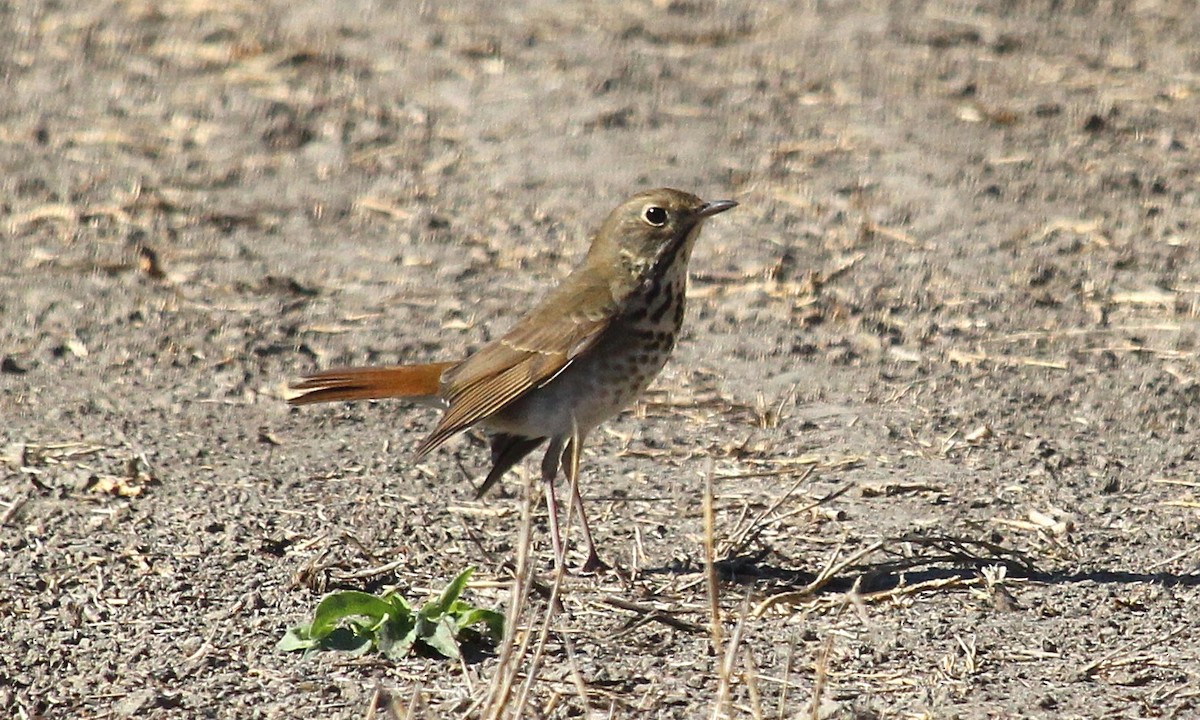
[[961, 291]]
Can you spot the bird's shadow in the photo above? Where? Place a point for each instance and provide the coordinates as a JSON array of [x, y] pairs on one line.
[[913, 560]]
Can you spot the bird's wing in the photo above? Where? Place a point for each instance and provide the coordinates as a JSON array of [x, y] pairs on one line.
[[541, 345]]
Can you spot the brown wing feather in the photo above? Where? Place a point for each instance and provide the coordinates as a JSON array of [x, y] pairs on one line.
[[536, 349]]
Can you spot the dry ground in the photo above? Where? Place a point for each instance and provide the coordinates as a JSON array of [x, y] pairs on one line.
[[962, 289]]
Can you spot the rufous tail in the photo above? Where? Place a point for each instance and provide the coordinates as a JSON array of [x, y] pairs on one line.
[[370, 383]]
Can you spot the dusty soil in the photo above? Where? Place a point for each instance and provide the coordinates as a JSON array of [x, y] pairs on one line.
[[962, 289]]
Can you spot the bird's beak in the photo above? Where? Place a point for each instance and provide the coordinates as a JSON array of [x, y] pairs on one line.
[[717, 206]]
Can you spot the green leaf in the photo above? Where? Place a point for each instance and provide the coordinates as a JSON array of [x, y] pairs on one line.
[[493, 620], [397, 601], [442, 640], [424, 627], [408, 640], [441, 606], [346, 640], [347, 604], [297, 638], [396, 636]]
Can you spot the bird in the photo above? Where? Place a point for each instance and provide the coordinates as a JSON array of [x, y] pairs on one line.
[[576, 359]]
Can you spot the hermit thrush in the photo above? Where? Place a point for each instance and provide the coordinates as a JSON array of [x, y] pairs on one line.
[[577, 359]]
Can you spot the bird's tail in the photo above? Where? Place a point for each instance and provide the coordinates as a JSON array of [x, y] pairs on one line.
[[416, 382]]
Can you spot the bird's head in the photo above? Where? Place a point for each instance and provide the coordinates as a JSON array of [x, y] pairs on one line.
[[651, 228]]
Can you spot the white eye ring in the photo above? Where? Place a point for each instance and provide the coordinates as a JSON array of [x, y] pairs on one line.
[[655, 216]]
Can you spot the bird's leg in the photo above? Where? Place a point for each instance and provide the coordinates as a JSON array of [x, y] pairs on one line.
[[550, 465], [574, 449]]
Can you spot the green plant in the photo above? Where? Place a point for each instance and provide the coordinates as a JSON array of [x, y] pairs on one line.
[[356, 622]]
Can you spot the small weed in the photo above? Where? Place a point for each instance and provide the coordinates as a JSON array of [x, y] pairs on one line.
[[357, 622]]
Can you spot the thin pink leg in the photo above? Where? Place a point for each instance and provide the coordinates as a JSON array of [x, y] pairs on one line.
[[593, 561], [550, 465]]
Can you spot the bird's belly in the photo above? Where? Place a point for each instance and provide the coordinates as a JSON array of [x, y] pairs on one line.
[[600, 383]]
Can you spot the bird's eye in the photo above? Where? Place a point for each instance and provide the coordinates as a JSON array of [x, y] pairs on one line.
[[654, 215]]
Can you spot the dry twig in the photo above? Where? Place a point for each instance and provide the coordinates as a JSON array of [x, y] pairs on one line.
[[710, 568], [821, 668]]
